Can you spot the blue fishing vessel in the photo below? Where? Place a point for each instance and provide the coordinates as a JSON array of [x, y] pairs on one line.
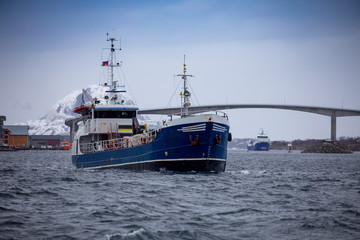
[[110, 135], [261, 143]]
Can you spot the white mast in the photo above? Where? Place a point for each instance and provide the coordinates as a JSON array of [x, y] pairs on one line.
[[186, 93], [113, 87]]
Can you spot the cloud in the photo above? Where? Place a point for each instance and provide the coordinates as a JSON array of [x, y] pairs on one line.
[[27, 106], [15, 104]]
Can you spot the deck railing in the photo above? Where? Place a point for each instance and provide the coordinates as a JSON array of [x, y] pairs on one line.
[[118, 143], [222, 114]]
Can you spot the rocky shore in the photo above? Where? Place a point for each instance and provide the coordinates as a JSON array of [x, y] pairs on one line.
[[346, 144], [326, 147]]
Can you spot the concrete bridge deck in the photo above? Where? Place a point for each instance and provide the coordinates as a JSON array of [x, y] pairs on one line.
[[333, 113]]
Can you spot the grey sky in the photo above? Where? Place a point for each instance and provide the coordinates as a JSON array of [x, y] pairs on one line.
[[272, 52]]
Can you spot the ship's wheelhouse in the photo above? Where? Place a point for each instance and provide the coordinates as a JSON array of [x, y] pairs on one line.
[[111, 123], [114, 113], [116, 121]]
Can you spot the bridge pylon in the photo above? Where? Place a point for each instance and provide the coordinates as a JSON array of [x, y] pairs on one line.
[[333, 127]]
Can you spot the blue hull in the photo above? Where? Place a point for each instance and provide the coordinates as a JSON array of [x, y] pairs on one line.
[[171, 150], [263, 146]]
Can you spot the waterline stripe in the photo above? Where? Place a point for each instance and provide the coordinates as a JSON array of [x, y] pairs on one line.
[[157, 160]]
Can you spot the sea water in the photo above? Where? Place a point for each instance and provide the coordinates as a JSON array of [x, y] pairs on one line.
[[261, 195]]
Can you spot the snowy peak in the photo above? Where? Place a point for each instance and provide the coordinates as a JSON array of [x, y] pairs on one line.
[[52, 123]]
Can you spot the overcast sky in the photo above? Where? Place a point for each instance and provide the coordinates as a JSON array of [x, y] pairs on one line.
[[271, 52]]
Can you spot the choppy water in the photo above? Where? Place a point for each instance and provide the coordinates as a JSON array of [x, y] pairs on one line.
[[267, 195]]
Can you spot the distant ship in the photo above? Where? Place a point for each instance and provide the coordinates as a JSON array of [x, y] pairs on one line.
[[261, 143], [110, 135], [65, 146]]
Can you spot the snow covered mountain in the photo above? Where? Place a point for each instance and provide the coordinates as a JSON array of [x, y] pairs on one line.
[[53, 122]]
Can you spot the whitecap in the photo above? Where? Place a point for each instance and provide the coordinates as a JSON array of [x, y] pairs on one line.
[[245, 171], [129, 235]]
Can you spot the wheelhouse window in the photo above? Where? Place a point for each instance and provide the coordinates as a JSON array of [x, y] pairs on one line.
[[115, 114]]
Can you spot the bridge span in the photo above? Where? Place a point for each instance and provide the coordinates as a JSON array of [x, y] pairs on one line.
[[333, 113]]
